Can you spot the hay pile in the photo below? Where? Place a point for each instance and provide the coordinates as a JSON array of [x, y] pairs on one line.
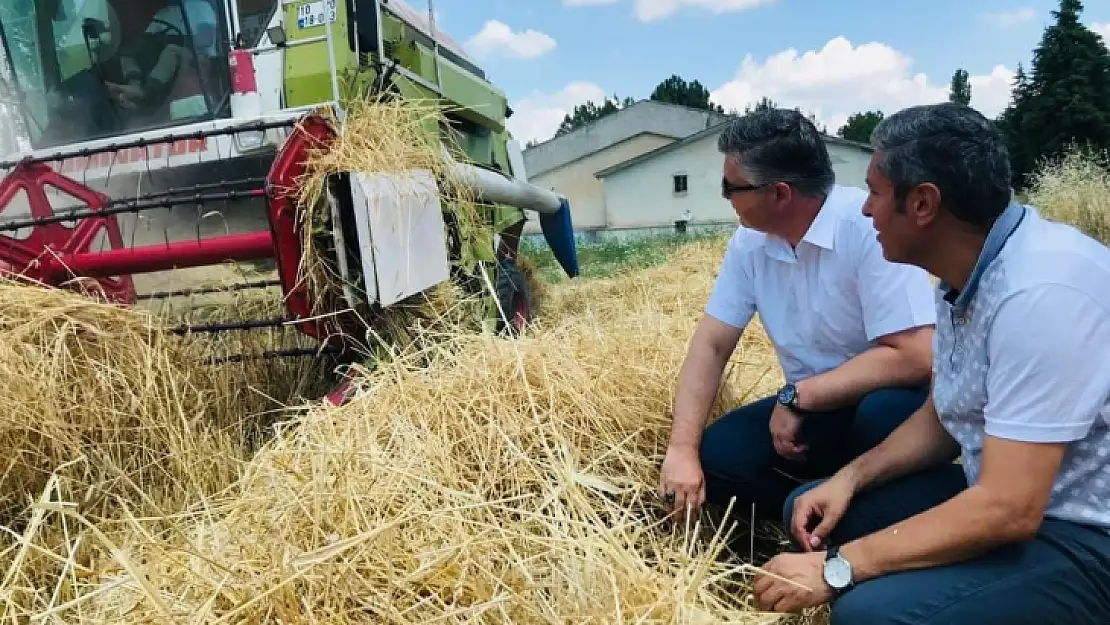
[[109, 412], [106, 411], [508, 481], [476, 478], [108, 399], [1075, 189], [262, 389]]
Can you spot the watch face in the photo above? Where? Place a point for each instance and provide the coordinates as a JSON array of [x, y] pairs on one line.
[[786, 395], [838, 573]]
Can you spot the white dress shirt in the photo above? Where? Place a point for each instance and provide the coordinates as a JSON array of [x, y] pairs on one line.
[[826, 301]]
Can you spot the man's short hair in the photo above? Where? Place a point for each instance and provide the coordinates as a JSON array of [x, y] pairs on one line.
[[780, 145], [952, 146]]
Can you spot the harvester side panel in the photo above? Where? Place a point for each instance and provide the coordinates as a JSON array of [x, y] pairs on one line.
[[307, 73]]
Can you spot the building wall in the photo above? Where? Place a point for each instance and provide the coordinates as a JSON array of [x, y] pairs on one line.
[[583, 191], [645, 116], [850, 164], [643, 195]]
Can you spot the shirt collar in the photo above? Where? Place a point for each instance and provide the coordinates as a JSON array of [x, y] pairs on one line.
[[999, 234], [821, 233]]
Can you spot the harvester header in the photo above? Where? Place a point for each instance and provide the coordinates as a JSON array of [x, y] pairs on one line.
[[173, 134]]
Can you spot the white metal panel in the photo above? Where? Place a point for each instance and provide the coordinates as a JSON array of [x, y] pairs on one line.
[[401, 233], [269, 69], [516, 161]]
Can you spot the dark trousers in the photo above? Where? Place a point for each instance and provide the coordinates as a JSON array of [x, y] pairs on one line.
[[739, 459], [1060, 578]]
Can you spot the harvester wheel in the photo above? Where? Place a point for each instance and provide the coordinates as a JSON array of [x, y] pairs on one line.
[[513, 296]]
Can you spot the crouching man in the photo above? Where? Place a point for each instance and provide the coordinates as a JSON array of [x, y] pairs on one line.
[[852, 331], [1020, 533]]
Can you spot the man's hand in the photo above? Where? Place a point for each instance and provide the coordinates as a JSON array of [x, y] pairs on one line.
[[785, 426], [126, 95], [817, 511], [682, 475], [806, 587], [698, 381]]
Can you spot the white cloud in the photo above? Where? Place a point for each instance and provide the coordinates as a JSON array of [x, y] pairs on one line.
[[650, 10], [1104, 30], [497, 38], [1013, 17], [538, 115], [841, 79]]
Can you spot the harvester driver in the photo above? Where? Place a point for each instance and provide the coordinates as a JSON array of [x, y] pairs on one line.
[[170, 87], [851, 330]]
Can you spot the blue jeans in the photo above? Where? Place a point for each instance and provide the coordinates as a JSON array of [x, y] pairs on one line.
[[1060, 578], [739, 460]]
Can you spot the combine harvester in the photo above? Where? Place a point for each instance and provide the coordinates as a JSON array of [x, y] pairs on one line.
[[172, 134]]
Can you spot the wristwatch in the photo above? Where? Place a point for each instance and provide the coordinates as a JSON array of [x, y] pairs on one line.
[[788, 396], [838, 571]]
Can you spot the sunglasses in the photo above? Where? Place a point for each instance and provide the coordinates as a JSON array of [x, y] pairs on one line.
[[727, 188]]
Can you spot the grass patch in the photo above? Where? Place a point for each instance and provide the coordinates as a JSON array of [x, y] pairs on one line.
[[1075, 189], [616, 257]]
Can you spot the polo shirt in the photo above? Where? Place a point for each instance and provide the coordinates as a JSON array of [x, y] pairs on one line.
[[1023, 353], [827, 300]]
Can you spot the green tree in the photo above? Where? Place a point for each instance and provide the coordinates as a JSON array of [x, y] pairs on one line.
[[860, 126], [677, 91], [960, 90], [1011, 127], [1065, 99], [590, 112], [764, 104]]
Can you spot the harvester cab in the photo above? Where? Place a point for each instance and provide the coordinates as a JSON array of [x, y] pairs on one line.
[[171, 134]]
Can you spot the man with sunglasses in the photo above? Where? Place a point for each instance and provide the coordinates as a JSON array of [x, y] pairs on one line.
[[851, 330]]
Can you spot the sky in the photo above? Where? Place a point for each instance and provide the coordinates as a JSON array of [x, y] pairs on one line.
[[830, 57]]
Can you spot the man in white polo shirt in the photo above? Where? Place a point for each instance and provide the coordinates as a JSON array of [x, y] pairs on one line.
[[852, 331], [1019, 532]]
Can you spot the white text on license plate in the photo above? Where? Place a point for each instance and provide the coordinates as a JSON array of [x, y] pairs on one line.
[[314, 13]]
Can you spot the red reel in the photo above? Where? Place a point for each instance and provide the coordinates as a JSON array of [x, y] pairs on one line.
[[34, 255]]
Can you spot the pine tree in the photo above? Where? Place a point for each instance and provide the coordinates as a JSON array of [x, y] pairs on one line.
[[677, 91], [960, 90], [1065, 100], [1011, 126]]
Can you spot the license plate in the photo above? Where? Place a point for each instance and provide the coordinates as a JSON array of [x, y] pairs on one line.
[[314, 13]]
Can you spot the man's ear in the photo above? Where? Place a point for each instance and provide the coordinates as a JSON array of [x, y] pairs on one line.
[[923, 204], [783, 192]]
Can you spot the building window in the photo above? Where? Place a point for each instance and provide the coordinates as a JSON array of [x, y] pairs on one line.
[[680, 183]]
